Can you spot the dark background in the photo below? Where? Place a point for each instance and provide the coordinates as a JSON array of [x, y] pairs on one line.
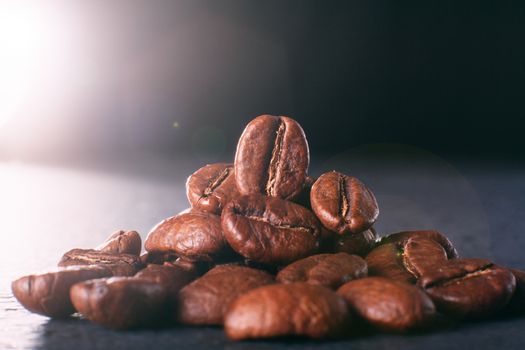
[[184, 77]]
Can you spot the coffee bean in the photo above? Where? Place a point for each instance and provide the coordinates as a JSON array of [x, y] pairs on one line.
[[406, 262], [48, 293], [122, 242], [387, 304], [422, 255], [356, 243], [204, 301], [270, 230], [328, 270], [272, 157], [172, 276], [195, 235], [211, 187], [469, 287], [517, 303], [402, 237], [127, 264], [121, 302], [297, 309], [343, 203]]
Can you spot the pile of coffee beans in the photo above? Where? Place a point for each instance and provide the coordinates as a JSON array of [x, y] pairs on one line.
[[267, 251]]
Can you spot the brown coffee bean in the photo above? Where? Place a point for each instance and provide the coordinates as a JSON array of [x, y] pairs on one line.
[[211, 187], [387, 261], [298, 309], [406, 263], [122, 242], [402, 237], [272, 157], [356, 243], [172, 276], [204, 301], [195, 235], [343, 203], [328, 270], [48, 293], [126, 264], [270, 230], [469, 287], [517, 303], [422, 255], [120, 302], [387, 304]]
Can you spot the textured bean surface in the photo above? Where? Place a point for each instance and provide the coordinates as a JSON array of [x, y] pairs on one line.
[[329, 270], [387, 261], [298, 309], [272, 157], [343, 203], [407, 260], [270, 230], [77, 257], [421, 255], [387, 304], [211, 187], [204, 301], [172, 276], [357, 243], [48, 293], [120, 302], [402, 237], [122, 242], [196, 235], [469, 287]]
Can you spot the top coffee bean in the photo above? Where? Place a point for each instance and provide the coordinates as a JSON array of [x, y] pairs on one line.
[[272, 157]]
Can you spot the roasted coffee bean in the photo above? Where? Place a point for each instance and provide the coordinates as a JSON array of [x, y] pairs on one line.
[[402, 237], [122, 242], [204, 301], [328, 270], [517, 303], [172, 276], [121, 302], [296, 309], [356, 243], [303, 198], [48, 293], [407, 262], [127, 264], [388, 305], [195, 235], [469, 287], [422, 255], [270, 230], [343, 203], [211, 187], [272, 157]]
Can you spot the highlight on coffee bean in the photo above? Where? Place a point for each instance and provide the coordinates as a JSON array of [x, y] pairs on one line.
[[267, 250]]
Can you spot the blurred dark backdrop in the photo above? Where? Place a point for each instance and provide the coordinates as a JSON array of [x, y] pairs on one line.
[[183, 77]]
